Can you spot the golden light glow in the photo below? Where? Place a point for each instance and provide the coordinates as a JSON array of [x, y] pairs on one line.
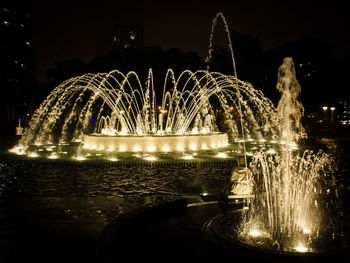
[[151, 148], [271, 151], [301, 248], [18, 150], [188, 157], [137, 149], [80, 158], [166, 149], [204, 147], [193, 147], [52, 156], [180, 148], [150, 158], [122, 148], [254, 233], [325, 108], [306, 231], [221, 155]]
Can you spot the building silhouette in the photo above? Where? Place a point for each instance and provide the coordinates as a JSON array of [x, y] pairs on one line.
[[16, 60], [127, 36]]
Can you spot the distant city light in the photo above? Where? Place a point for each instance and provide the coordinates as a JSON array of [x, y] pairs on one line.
[[325, 108]]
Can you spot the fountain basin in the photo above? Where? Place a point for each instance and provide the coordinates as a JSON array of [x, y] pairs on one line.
[[222, 230], [175, 143]]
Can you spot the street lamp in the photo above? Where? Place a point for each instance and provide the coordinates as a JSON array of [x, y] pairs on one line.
[[332, 114], [325, 108]]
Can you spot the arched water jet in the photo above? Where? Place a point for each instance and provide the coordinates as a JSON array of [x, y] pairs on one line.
[[210, 50], [101, 109], [114, 104]]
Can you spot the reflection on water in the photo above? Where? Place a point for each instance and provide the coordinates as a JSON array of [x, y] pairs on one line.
[[102, 192], [78, 201], [51, 179]]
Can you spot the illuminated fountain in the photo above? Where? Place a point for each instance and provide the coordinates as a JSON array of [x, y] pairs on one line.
[[112, 112], [294, 209]]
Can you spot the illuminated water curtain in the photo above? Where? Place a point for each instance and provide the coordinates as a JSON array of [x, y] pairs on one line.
[[115, 112]]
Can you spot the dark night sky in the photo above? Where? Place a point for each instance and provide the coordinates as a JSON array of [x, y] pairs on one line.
[[76, 29]]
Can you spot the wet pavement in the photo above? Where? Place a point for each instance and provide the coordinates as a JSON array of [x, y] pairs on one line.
[[60, 229], [54, 229]]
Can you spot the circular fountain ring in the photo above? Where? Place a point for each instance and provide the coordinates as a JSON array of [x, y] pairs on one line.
[[156, 143], [222, 231]]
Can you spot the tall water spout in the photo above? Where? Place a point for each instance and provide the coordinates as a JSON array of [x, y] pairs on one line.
[[288, 187], [289, 110]]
